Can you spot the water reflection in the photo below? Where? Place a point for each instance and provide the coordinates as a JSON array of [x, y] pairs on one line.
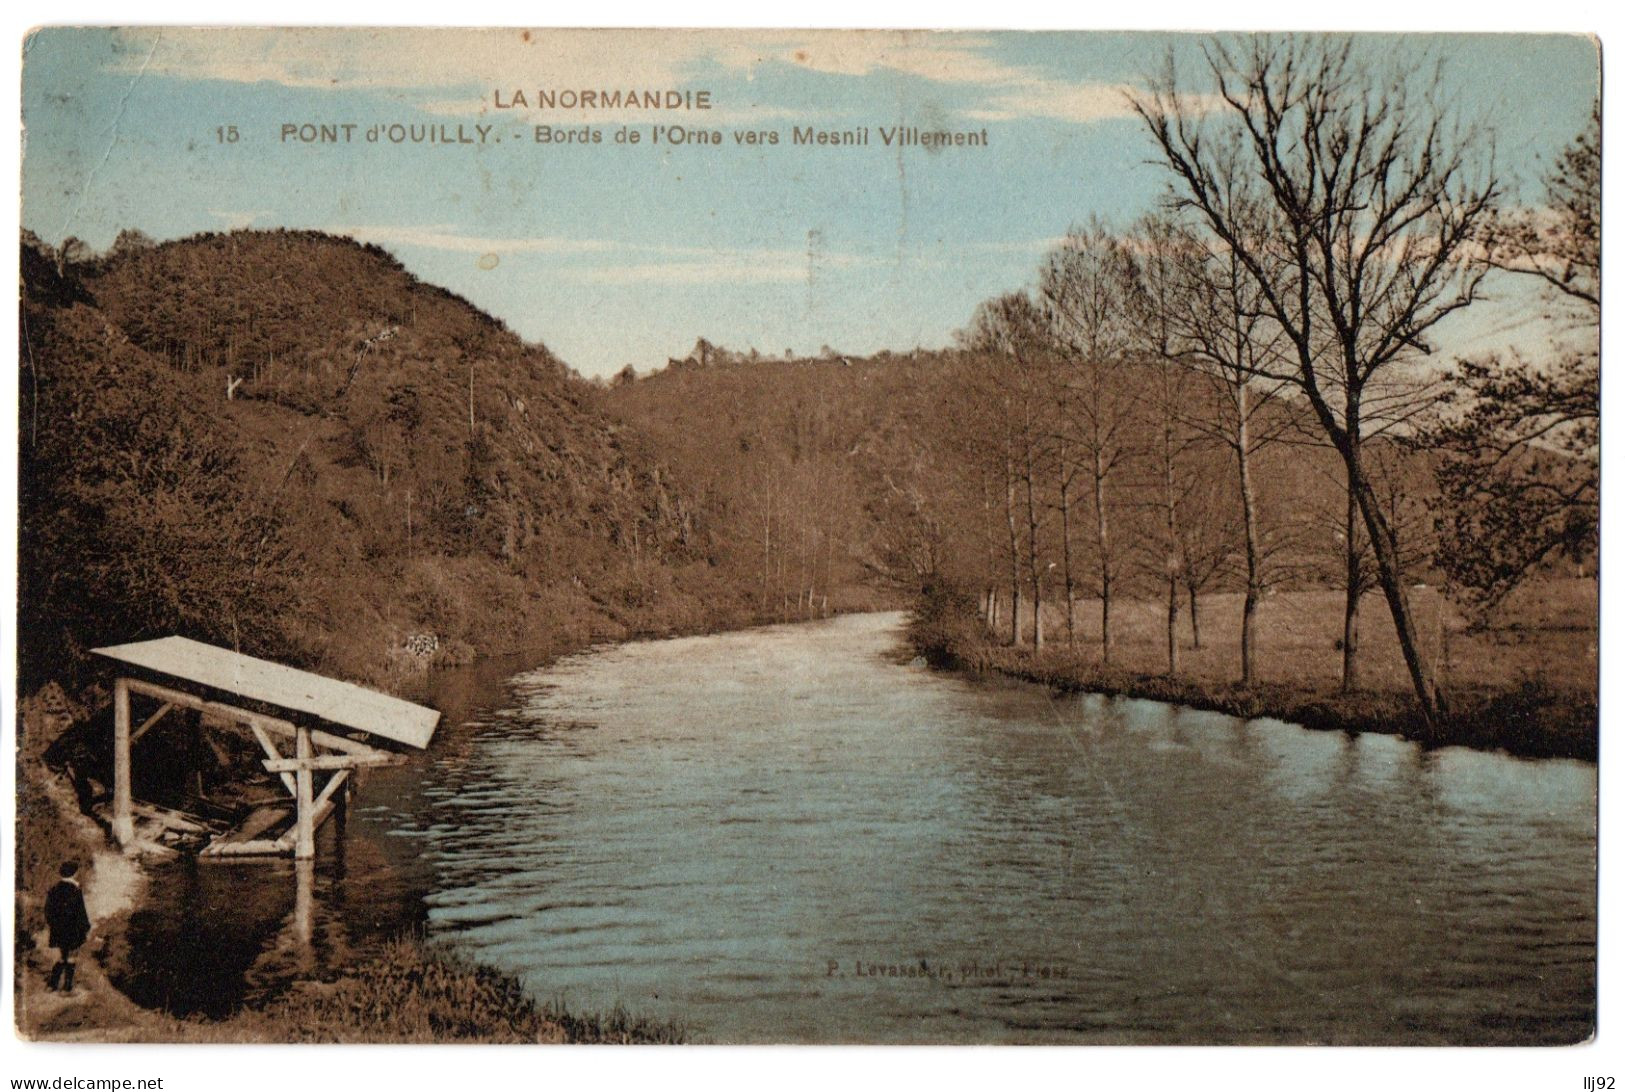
[[215, 933], [784, 835]]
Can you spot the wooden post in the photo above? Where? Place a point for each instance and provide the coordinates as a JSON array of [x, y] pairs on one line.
[[304, 846], [123, 819], [304, 905]]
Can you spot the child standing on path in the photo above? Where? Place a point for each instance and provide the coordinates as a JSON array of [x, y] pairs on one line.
[[69, 925]]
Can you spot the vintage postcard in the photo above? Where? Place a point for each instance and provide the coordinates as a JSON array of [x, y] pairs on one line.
[[878, 537]]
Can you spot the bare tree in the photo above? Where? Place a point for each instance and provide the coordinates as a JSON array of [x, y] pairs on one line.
[[1340, 546], [1560, 243], [1522, 438], [1352, 197], [1393, 404], [1215, 323], [1210, 538], [1011, 336], [1164, 398], [1087, 285]]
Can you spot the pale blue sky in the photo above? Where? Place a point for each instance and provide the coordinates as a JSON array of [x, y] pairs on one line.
[[613, 255]]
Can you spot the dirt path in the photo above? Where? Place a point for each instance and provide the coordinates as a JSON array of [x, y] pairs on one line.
[[113, 886], [95, 1010]]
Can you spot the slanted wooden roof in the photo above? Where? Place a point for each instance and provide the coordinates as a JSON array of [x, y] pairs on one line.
[[275, 684]]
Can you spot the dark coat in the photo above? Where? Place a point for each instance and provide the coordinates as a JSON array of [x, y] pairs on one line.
[[65, 914]]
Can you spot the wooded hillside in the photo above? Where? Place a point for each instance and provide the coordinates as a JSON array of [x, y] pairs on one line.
[[285, 443]]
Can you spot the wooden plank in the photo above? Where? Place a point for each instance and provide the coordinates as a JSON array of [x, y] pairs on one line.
[[173, 820], [284, 687], [123, 819], [150, 721], [258, 822], [270, 748], [155, 848], [331, 762], [231, 713], [262, 847], [304, 846]]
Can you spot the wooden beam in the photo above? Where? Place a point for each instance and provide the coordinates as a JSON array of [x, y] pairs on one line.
[[327, 792], [320, 812], [231, 712], [304, 846], [123, 819], [156, 849], [259, 847], [256, 823], [270, 748], [150, 721], [304, 902], [320, 808], [332, 762], [219, 709], [170, 818]]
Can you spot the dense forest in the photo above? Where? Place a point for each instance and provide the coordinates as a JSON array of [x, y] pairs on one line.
[[831, 469], [284, 443]]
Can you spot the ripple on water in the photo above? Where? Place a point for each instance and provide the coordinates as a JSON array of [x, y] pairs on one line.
[[760, 834]]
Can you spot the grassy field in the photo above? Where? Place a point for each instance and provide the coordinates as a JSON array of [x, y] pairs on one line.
[[1547, 632], [1528, 684]]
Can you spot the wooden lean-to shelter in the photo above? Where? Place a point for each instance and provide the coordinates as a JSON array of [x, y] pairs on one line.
[[177, 672]]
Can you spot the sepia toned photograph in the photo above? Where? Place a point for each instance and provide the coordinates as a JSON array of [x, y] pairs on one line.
[[807, 537]]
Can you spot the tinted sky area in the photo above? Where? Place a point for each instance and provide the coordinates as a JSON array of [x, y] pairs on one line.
[[614, 254]]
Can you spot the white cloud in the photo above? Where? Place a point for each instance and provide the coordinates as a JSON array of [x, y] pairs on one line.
[[702, 265], [235, 220], [931, 55], [442, 237], [1079, 102], [752, 114], [621, 262], [721, 271], [404, 60], [411, 58], [510, 58], [1018, 246]]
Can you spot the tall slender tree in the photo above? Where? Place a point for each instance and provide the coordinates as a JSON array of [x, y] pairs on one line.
[[1352, 195], [1010, 334], [1212, 321], [1087, 285]]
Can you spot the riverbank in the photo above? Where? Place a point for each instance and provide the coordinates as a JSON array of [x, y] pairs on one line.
[[1528, 713], [427, 995], [408, 991], [405, 990]]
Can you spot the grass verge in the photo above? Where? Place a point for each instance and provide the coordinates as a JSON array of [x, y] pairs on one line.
[[1527, 716]]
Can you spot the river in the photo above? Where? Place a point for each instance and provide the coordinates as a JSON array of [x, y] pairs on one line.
[[789, 834]]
